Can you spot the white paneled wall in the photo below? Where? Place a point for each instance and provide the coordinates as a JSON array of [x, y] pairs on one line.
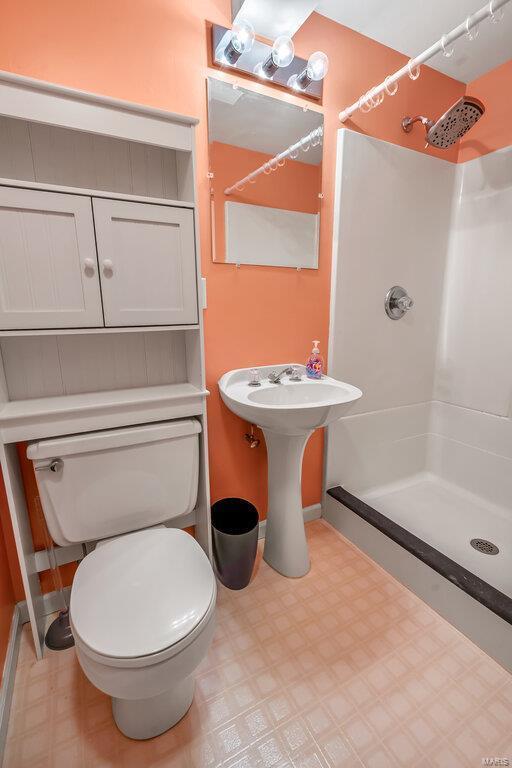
[[43, 366], [437, 384], [392, 224], [475, 351], [51, 155]]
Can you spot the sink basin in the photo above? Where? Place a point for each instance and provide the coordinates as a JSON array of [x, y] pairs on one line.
[[288, 413], [290, 408]]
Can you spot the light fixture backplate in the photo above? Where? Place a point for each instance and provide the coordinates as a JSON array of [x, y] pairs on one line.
[[259, 53]]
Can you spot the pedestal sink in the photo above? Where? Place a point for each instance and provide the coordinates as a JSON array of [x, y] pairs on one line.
[[288, 413]]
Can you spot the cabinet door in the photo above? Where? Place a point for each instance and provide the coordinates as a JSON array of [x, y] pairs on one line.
[[48, 264], [147, 263]]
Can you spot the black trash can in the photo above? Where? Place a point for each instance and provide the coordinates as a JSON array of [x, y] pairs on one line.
[[235, 541]]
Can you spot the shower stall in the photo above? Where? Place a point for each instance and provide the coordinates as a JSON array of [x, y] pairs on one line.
[[419, 473]]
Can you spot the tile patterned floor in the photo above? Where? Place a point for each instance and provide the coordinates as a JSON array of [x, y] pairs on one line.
[[344, 667]]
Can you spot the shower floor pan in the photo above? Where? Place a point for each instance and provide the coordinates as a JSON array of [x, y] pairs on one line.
[[420, 530]]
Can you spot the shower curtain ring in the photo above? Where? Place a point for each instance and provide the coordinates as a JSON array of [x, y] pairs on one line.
[[388, 86], [495, 16], [364, 104], [471, 32], [447, 52], [414, 72], [377, 98], [373, 99]]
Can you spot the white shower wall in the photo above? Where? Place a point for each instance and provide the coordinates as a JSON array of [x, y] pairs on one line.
[[471, 416], [438, 383], [474, 367]]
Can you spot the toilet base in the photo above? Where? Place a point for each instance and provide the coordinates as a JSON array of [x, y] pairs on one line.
[[146, 718]]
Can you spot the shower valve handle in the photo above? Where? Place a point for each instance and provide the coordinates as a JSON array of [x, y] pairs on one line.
[[397, 302], [405, 303]]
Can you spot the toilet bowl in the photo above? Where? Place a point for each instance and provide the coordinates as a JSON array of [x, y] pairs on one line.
[[142, 613], [142, 603]]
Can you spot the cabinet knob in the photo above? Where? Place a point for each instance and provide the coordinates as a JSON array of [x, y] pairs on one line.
[[108, 266], [89, 265]]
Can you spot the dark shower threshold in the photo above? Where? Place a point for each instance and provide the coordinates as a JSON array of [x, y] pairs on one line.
[[477, 588]]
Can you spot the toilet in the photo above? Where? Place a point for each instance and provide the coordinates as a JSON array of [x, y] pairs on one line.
[[143, 601]]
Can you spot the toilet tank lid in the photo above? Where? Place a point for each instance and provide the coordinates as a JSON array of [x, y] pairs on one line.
[[112, 438]]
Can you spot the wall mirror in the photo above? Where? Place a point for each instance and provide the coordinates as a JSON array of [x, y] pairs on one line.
[[273, 217]]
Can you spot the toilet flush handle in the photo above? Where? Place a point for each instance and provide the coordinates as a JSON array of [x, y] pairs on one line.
[[55, 465]]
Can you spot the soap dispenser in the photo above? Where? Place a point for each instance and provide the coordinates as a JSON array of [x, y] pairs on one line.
[[315, 363]]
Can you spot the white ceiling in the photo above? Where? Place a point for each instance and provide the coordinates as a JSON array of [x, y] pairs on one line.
[[271, 19], [411, 26], [261, 123]]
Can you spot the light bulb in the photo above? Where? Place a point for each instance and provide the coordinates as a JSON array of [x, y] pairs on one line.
[[318, 65], [283, 51], [281, 55], [242, 40], [242, 36], [316, 69]]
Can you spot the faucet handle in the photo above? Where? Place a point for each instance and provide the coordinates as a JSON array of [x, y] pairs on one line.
[[295, 374], [254, 380]]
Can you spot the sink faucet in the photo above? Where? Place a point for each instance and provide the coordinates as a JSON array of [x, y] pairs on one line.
[[292, 371]]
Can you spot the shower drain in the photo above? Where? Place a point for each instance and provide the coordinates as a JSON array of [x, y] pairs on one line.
[[482, 545]]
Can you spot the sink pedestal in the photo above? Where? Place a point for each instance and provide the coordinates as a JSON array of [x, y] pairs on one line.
[[286, 549]]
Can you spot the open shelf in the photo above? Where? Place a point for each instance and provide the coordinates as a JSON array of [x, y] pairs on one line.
[[66, 414], [88, 192], [100, 330]]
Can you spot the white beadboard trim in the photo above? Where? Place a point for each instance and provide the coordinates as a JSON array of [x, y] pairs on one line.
[[7, 687], [38, 101], [314, 512]]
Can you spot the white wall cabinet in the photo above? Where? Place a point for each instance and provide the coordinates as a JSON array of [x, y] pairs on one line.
[[48, 264], [146, 255], [72, 261]]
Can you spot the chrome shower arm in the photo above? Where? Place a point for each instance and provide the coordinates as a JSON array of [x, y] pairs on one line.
[[408, 122]]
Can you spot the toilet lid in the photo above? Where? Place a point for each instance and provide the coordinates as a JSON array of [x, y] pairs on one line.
[[141, 593]]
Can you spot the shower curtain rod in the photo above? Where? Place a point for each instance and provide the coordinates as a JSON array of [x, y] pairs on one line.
[[464, 28], [275, 162]]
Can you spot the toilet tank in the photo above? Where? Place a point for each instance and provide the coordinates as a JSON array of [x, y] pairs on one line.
[[120, 480]]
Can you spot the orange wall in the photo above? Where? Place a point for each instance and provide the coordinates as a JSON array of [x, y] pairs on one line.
[[494, 130], [154, 52], [294, 186]]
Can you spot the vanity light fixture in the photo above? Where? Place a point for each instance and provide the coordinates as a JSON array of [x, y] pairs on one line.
[[241, 41], [316, 69], [277, 64], [281, 55]]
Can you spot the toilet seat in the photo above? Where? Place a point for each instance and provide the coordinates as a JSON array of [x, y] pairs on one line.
[[142, 597]]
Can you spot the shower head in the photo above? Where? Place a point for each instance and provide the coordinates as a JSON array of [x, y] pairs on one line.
[[452, 125]]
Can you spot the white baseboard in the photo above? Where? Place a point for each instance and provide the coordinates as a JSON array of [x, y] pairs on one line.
[[7, 686], [314, 512]]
